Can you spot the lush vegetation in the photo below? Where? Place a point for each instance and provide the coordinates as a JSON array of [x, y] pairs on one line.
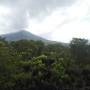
[[33, 65]]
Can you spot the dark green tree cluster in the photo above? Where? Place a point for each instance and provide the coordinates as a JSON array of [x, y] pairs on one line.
[[80, 50], [33, 65]]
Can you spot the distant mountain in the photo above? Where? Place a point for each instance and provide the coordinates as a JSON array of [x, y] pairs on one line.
[[25, 35], [20, 35]]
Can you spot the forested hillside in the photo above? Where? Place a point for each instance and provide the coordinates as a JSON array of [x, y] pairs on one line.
[[33, 65]]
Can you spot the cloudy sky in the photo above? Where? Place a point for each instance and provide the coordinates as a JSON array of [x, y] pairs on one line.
[[58, 20]]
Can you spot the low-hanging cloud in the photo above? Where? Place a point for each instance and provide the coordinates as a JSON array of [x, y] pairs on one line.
[[35, 8]]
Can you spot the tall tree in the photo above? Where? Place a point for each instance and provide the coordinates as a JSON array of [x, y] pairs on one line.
[[79, 49]]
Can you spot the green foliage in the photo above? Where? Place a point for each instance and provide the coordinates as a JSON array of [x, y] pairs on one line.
[[80, 50], [32, 65]]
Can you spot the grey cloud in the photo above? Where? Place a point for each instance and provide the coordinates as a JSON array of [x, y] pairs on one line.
[[40, 6], [36, 9]]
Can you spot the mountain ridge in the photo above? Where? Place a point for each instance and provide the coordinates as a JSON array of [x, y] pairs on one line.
[[20, 35], [26, 35]]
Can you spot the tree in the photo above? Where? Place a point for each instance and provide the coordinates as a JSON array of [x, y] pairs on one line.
[[7, 68], [79, 49]]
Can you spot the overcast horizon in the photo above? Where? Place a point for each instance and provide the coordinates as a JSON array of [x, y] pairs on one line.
[[58, 20]]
